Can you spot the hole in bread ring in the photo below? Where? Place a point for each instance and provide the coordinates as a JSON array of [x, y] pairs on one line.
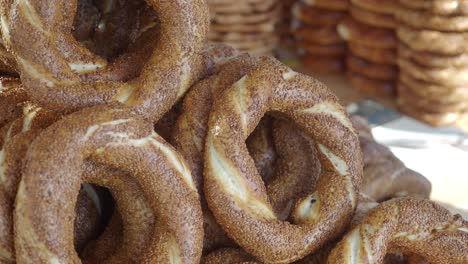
[[119, 139], [235, 192], [284, 157], [60, 73]]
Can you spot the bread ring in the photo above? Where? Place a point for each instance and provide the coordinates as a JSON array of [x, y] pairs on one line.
[[444, 76], [359, 33], [237, 197], [432, 59], [318, 35], [372, 18], [376, 55], [323, 64], [434, 91], [428, 20], [15, 138], [250, 18], [287, 179], [416, 226], [244, 6], [428, 104], [341, 5], [447, 43], [76, 73], [106, 136], [370, 86], [385, 176], [235, 256], [379, 6], [314, 16], [191, 128], [433, 118], [371, 70], [12, 95], [324, 50], [440, 7], [136, 218], [267, 26], [85, 224], [229, 256]]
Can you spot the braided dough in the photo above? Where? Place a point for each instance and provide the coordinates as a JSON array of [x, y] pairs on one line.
[[235, 192]]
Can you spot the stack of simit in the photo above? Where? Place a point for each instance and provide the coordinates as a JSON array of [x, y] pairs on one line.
[[433, 60]]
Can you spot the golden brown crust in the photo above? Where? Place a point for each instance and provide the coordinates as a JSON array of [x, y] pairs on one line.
[[429, 20], [446, 76], [310, 15], [371, 87], [323, 64], [15, 139], [434, 91], [243, 6], [433, 118], [8, 65], [371, 70], [246, 18], [429, 104], [229, 256], [379, 6], [340, 5], [385, 176], [447, 43], [440, 7], [76, 78], [371, 18], [324, 35], [116, 138], [360, 33], [324, 50], [431, 59], [376, 55], [137, 219], [12, 95], [235, 192], [415, 226]]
